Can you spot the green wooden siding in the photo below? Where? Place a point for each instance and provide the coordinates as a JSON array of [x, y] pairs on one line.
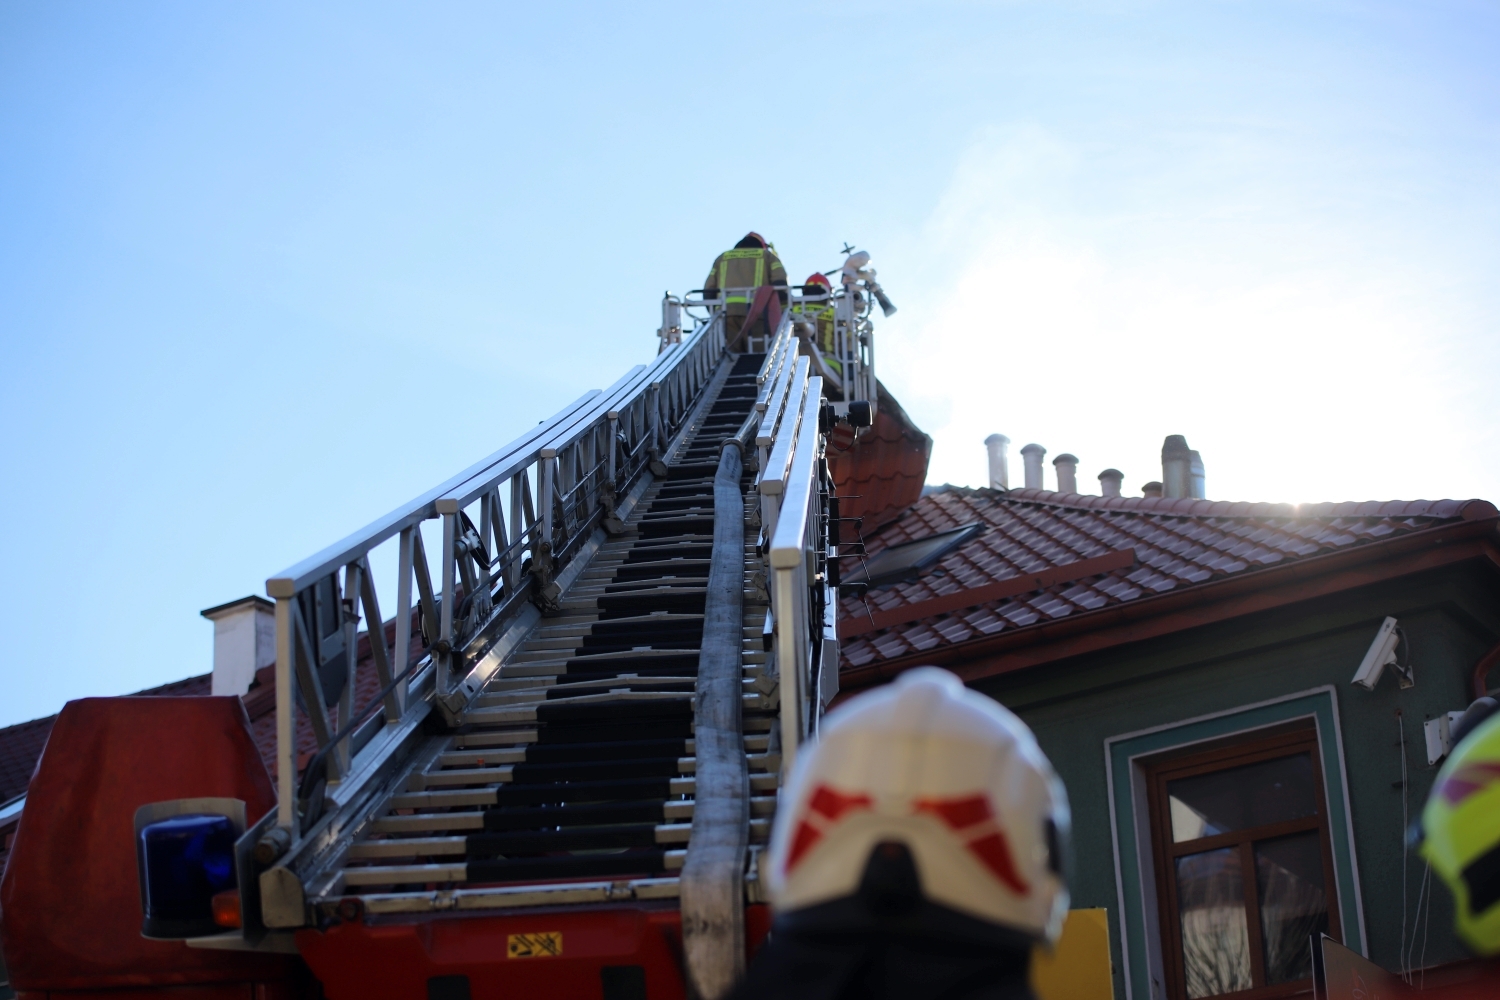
[[1452, 617]]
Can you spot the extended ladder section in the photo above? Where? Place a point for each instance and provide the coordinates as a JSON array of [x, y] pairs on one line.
[[577, 759], [538, 739]]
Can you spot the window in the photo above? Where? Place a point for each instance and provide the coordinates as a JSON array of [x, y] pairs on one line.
[[1244, 868], [905, 561]]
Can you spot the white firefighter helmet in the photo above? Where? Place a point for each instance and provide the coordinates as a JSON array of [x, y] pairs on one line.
[[948, 772]]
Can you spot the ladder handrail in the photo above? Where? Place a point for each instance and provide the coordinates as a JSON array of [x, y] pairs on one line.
[[773, 478], [779, 388], [559, 430], [799, 535], [576, 459], [565, 433], [360, 542]]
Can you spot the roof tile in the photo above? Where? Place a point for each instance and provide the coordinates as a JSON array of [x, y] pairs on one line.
[[1177, 543]]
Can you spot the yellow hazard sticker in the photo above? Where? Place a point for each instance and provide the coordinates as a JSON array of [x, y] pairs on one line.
[[539, 944]]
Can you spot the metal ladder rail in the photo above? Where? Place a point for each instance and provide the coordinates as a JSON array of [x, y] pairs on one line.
[[797, 553], [504, 702], [801, 462], [642, 408], [657, 392]]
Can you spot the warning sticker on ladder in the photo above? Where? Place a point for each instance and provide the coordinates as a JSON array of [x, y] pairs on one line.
[[540, 944]]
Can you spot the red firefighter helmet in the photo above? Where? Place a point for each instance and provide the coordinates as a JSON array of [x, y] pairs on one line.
[[818, 278], [949, 773]]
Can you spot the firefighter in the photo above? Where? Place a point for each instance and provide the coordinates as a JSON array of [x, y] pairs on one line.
[[747, 274], [1461, 826], [918, 853], [819, 316]]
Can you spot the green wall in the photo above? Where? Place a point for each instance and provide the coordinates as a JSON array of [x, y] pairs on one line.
[[1451, 617]]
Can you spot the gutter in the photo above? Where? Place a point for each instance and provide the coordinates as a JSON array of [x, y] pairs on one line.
[[10, 810]]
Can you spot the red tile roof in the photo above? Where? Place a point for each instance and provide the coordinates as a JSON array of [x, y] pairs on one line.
[[883, 473], [21, 745], [1050, 555], [20, 748]]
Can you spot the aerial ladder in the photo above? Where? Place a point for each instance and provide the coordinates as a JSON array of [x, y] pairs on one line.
[[609, 639]]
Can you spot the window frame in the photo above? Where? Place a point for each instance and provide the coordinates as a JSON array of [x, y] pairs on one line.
[[1135, 920], [1223, 755]]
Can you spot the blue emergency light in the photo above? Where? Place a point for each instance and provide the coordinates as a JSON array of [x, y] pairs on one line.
[[185, 860]]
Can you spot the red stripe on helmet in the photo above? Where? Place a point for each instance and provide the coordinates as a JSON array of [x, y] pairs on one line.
[[1469, 779], [957, 813], [826, 801], [995, 853]]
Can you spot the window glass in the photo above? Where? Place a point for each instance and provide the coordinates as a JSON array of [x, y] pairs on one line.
[[1293, 905], [1215, 935], [1270, 791]]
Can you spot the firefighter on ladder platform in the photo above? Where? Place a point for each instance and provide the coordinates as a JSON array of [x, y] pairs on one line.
[[918, 853], [818, 321], [753, 283]]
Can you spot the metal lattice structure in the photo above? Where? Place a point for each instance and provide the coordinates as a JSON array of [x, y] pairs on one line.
[[564, 622]]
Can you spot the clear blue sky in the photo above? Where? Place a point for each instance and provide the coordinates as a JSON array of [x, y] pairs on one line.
[[267, 270]]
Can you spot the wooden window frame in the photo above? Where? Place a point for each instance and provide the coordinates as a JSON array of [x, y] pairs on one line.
[[1228, 753]]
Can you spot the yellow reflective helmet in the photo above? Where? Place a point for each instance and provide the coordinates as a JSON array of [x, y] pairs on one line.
[[1461, 830]]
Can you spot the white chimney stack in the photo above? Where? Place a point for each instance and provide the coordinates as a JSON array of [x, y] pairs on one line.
[[1032, 455], [1110, 481], [1196, 486], [1181, 469], [1175, 463], [999, 469], [244, 641], [1066, 467]]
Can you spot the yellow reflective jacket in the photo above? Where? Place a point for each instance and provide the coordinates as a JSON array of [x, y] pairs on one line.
[[750, 267], [821, 315]]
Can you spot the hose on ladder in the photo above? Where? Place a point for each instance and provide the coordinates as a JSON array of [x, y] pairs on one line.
[[712, 883]]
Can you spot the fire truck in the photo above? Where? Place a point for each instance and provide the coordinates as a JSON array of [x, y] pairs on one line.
[[606, 649]]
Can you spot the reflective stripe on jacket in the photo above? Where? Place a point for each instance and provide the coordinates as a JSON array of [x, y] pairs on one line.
[[750, 267]]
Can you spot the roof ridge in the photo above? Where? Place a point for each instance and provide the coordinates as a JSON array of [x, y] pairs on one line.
[[1468, 510]]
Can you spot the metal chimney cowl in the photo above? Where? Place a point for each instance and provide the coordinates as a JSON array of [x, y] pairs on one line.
[[1033, 454], [1176, 467], [1110, 481], [1066, 467], [996, 444]]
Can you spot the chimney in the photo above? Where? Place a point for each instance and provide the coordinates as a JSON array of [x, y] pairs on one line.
[[1066, 467], [1032, 454], [1109, 482], [1151, 490], [244, 641], [1176, 467], [1195, 476], [999, 470]]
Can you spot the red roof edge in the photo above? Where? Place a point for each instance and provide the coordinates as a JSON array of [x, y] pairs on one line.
[[1246, 593]]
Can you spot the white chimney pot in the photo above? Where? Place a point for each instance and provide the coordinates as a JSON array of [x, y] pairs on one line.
[[1067, 472], [999, 467], [1033, 454], [244, 642]]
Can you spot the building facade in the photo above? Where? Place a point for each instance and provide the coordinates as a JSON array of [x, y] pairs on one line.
[[1187, 666]]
